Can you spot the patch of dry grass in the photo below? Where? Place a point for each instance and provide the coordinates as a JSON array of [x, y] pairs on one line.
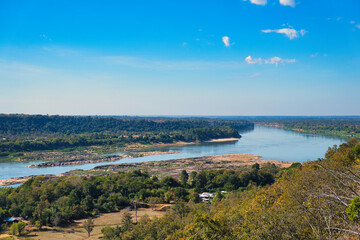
[[76, 231]]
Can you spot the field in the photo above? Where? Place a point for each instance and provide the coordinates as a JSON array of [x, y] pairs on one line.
[[76, 231]]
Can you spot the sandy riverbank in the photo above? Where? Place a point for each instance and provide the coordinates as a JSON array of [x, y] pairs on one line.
[[174, 167], [19, 180], [224, 140], [171, 167]]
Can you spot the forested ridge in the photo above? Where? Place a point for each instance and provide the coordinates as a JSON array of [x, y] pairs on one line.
[[100, 139], [42, 125], [340, 126], [39, 132]]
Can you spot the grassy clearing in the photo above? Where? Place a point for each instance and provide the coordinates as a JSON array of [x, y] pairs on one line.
[[76, 231]]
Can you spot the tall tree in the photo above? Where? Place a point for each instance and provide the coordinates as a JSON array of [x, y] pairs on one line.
[[88, 225], [184, 177]]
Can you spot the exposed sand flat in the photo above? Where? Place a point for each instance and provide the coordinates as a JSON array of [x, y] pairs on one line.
[[172, 167], [248, 159], [19, 180], [224, 140]]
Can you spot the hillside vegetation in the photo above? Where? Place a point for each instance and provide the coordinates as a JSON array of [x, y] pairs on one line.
[[55, 202], [316, 200]]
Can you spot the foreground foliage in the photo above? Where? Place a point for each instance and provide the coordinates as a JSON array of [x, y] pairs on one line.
[[55, 202], [316, 200]]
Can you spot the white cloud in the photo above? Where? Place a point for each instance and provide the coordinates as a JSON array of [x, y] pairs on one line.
[[251, 60], [303, 32], [289, 32], [358, 26], [226, 41], [290, 3], [352, 22], [274, 60], [259, 2]]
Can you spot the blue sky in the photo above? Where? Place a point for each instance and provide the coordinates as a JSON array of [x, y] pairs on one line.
[[253, 57]]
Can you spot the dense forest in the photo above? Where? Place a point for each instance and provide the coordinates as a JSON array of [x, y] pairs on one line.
[[99, 139], [340, 126], [32, 126], [56, 202], [20, 133]]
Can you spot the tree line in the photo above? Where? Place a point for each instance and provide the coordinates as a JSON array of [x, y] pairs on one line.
[[100, 139], [345, 127], [32, 126]]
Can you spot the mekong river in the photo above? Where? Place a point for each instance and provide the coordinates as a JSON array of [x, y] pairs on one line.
[[270, 143]]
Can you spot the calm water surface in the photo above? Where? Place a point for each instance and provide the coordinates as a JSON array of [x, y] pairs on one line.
[[270, 143]]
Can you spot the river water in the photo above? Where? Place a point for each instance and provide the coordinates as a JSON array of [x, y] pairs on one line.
[[270, 143]]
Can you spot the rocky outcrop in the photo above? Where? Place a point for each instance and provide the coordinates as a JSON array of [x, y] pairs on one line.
[[111, 158], [76, 161]]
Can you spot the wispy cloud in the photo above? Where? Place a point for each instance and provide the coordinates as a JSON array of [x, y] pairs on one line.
[[44, 36], [289, 32], [290, 3], [259, 2], [169, 65], [226, 41], [334, 19], [274, 60], [314, 55], [277, 60], [254, 75], [358, 26], [21, 67], [62, 52], [245, 77]]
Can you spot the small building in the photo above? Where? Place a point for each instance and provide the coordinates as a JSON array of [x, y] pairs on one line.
[[13, 219], [205, 196]]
